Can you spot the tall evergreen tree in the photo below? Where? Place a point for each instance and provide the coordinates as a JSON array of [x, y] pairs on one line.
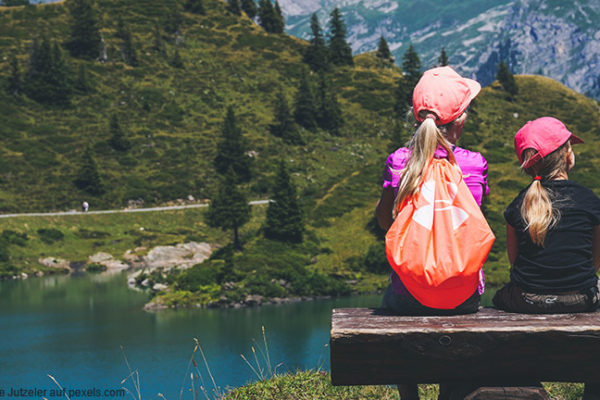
[[88, 178], [176, 61], [83, 84], [46, 80], [279, 19], [285, 127], [117, 140], [233, 6], [14, 80], [317, 54], [229, 209], [443, 58], [128, 50], [194, 7], [85, 39], [330, 113], [411, 68], [266, 15], [506, 79], [249, 7], [159, 44], [383, 50], [173, 18], [339, 50], [231, 151], [284, 221], [305, 112]]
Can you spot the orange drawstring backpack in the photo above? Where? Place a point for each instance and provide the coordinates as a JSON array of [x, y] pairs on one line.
[[440, 239]]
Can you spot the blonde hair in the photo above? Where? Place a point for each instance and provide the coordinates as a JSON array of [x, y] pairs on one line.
[[423, 145], [537, 209]]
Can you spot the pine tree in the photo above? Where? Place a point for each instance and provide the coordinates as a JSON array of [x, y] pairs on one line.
[[507, 79], [128, 51], [305, 112], [194, 7], [285, 127], [159, 44], [229, 209], [46, 80], [266, 15], [82, 84], [411, 68], [284, 221], [278, 20], [383, 50], [317, 54], [249, 7], [330, 113], [88, 178], [173, 19], [339, 50], [14, 80], [231, 151], [117, 140], [176, 61], [85, 39], [233, 6], [443, 58]]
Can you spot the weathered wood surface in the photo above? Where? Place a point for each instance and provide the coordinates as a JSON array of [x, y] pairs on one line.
[[491, 346]]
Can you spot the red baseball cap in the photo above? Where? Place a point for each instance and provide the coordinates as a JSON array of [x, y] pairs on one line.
[[443, 92], [544, 135]]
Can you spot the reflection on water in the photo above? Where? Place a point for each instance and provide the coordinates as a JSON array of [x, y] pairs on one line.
[[73, 328]]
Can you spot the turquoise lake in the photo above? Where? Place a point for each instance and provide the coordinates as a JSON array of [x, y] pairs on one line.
[[73, 328]]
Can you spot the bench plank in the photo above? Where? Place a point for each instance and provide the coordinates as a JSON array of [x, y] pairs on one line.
[[491, 346]]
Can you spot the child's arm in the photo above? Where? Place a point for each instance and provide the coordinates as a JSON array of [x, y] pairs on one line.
[[384, 208], [596, 248], [512, 244]]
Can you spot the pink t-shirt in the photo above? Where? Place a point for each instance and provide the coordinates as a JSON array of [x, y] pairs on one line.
[[474, 168]]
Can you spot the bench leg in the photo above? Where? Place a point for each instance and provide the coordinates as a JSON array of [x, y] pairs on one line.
[[408, 391]]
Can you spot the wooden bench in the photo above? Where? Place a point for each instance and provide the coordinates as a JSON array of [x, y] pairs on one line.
[[491, 347]]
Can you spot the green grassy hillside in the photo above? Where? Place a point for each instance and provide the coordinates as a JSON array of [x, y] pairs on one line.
[[172, 116]]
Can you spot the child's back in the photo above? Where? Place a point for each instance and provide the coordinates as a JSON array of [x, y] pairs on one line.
[[553, 228]]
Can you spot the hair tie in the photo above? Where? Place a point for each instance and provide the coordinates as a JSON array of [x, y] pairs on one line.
[[537, 178], [432, 116]]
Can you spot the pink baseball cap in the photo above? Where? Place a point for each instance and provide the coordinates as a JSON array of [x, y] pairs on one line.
[[443, 92], [545, 135]]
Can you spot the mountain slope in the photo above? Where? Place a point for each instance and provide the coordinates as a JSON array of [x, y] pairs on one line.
[[172, 116], [547, 37]]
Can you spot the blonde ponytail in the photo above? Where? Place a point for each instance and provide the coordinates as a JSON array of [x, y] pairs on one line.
[[538, 213], [538, 209], [423, 145]]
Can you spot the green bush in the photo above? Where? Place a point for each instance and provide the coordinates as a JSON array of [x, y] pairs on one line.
[[50, 235], [94, 267], [375, 260], [12, 237]]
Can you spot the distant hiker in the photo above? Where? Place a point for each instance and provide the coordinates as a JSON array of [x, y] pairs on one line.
[[440, 102], [85, 206], [552, 231]]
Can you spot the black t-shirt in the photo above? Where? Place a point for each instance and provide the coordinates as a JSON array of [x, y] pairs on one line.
[[565, 262]]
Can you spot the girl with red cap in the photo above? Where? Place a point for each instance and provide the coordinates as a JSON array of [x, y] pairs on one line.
[[440, 102], [552, 228], [552, 231]]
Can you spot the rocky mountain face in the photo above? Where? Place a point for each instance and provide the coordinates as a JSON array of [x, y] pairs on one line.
[[550, 37]]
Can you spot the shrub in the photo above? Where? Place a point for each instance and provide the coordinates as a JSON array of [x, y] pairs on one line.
[[94, 267], [375, 260], [12, 237], [50, 235]]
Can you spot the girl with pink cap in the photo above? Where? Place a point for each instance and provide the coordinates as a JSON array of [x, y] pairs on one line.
[[552, 228], [552, 231], [440, 102]]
